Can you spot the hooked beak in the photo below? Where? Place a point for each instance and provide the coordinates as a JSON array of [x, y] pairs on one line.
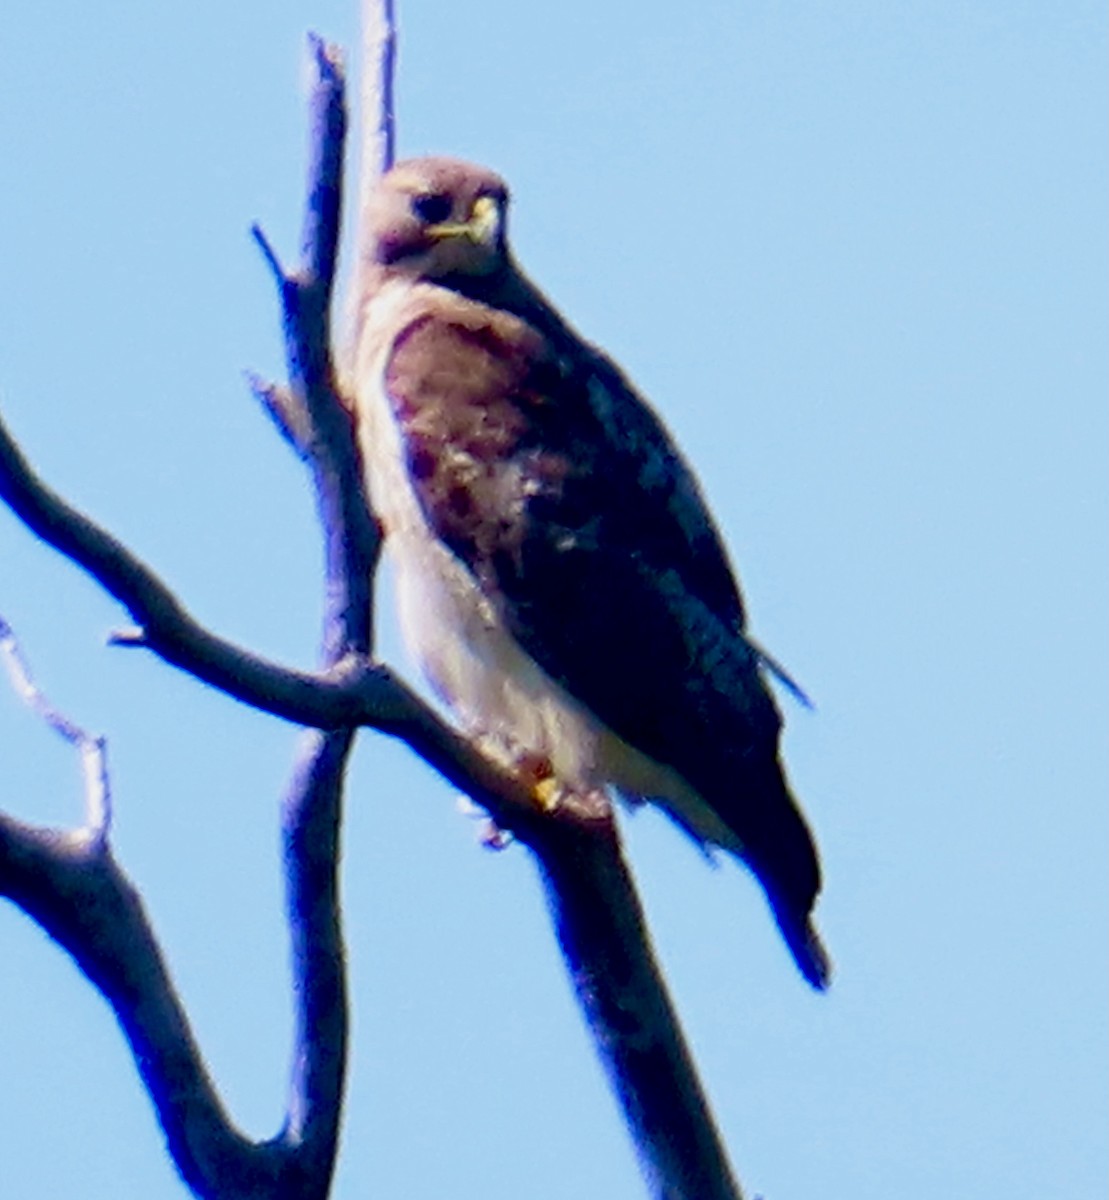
[[483, 227]]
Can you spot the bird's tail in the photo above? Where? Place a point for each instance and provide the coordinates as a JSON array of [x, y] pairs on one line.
[[806, 947], [780, 850]]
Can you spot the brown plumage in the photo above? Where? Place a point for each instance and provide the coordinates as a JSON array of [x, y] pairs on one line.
[[559, 576]]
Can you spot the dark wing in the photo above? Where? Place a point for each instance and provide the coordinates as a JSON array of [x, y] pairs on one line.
[[593, 406], [548, 477], [673, 526]]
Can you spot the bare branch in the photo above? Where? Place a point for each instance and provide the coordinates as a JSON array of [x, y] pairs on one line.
[[311, 824], [287, 411], [352, 538], [312, 811], [81, 898], [69, 882], [319, 242], [603, 935], [74, 889], [378, 142], [92, 749]]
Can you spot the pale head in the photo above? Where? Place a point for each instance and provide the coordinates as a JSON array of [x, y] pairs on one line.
[[435, 217]]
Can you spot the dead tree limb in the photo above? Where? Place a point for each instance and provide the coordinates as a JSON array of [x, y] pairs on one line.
[[70, 883]]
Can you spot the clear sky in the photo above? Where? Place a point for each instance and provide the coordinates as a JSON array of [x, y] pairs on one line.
[[855, 254]]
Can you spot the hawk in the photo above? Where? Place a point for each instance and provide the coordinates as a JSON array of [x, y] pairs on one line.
[[559, 577]]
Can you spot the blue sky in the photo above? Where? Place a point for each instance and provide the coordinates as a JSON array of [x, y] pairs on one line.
[[855, 254]]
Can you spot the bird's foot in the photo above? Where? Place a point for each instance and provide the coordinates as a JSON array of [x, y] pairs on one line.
[[549, 793], [537, 772]]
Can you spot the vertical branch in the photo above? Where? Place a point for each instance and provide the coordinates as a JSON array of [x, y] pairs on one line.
[[377, 120], [312, 811], [311, 818], [379, 60], [327, 124], [315, 419]]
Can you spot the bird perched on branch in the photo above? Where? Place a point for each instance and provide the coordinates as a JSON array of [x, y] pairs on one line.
[[559, 576]]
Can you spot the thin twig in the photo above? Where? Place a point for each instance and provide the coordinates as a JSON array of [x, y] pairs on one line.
[[93, 750], [286, 411], [319, 242], [265, 246], [378, 113]]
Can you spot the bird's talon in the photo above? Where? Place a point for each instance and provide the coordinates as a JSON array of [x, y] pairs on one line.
[[548, 793], [493, 837]]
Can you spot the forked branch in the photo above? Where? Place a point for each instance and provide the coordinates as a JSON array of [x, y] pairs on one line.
[[71, 884]]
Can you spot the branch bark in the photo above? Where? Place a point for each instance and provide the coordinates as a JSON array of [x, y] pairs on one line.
[[636, 1033]]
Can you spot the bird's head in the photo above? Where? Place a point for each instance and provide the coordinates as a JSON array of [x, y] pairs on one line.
[[433, 218]]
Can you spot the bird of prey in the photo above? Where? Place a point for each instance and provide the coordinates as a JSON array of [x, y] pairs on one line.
[[559, 577]]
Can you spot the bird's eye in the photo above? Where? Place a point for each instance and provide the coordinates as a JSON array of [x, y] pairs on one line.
[[432, 208]]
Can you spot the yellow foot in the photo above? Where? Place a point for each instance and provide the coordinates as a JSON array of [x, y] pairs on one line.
[[549, 793], [536, 772]]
